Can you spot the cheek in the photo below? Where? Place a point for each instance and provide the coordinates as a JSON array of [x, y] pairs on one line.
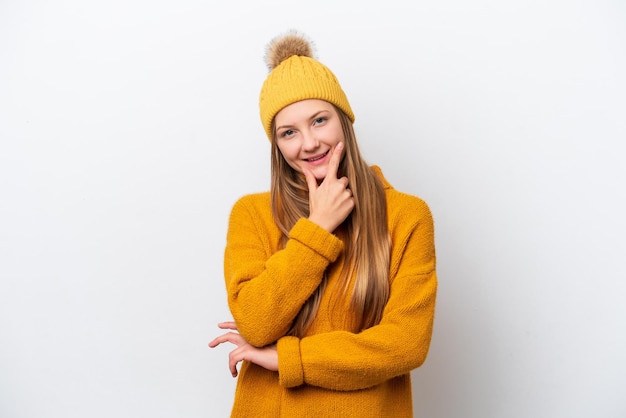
[[288, 151], [291, 161], [290, 156], [338, 134]]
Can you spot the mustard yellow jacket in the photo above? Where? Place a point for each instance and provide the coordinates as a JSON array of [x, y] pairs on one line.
[[331, 372]]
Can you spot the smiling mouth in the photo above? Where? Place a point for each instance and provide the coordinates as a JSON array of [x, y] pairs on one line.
[[319, 157]]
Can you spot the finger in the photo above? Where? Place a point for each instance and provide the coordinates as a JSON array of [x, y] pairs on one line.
[[335, 159], [231, 337], [237, 356], [215, 343], [232, 365], [228, 325], [310, 179], [234, 358]]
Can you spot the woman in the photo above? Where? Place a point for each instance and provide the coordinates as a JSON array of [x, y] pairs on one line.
[[331, 275]]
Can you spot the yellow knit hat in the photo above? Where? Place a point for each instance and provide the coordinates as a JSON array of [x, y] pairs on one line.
[[296, 75]]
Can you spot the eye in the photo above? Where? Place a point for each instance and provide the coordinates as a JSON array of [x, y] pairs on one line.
[[320, 120], [287, 133]]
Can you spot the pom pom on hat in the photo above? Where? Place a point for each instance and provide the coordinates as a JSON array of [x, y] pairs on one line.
[[295, 75], [284, 46]]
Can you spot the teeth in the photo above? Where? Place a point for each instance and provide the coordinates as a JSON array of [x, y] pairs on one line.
[[318, 158]]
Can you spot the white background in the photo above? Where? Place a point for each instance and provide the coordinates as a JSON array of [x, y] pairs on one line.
[[129, 127]]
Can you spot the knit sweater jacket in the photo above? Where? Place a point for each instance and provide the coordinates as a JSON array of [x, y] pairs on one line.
[[331, 372]]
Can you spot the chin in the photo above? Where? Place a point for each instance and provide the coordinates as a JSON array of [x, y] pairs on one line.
[[320, 176]]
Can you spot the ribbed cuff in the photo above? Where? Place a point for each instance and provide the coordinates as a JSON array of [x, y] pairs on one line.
[[290, 372], [317, 238]]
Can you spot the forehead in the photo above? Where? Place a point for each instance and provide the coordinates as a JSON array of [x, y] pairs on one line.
[[303, 109]]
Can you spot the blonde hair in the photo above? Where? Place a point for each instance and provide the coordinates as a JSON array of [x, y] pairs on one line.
[[365, 232]]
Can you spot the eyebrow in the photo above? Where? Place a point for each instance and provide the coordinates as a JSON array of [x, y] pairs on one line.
[[313, 116]]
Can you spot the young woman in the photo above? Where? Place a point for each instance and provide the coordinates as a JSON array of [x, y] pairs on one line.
[[331, 274]]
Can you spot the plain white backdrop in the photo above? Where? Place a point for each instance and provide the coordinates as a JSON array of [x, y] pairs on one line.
[[129, 128]]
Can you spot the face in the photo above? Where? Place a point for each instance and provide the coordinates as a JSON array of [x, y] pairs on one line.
[[306, 133]]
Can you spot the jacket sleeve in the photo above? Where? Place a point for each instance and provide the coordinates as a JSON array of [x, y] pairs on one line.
[[266, 290], [341, 360]]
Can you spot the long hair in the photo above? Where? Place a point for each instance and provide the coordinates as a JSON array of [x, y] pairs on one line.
[[365, 232]]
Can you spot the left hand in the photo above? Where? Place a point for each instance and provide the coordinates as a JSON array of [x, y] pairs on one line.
[[331, 201], [266, 357]]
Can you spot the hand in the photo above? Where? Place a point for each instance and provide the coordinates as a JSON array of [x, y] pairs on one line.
[[331, 201], [266, 357]]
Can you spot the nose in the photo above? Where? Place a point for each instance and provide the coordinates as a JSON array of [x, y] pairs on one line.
[[309, 141]]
